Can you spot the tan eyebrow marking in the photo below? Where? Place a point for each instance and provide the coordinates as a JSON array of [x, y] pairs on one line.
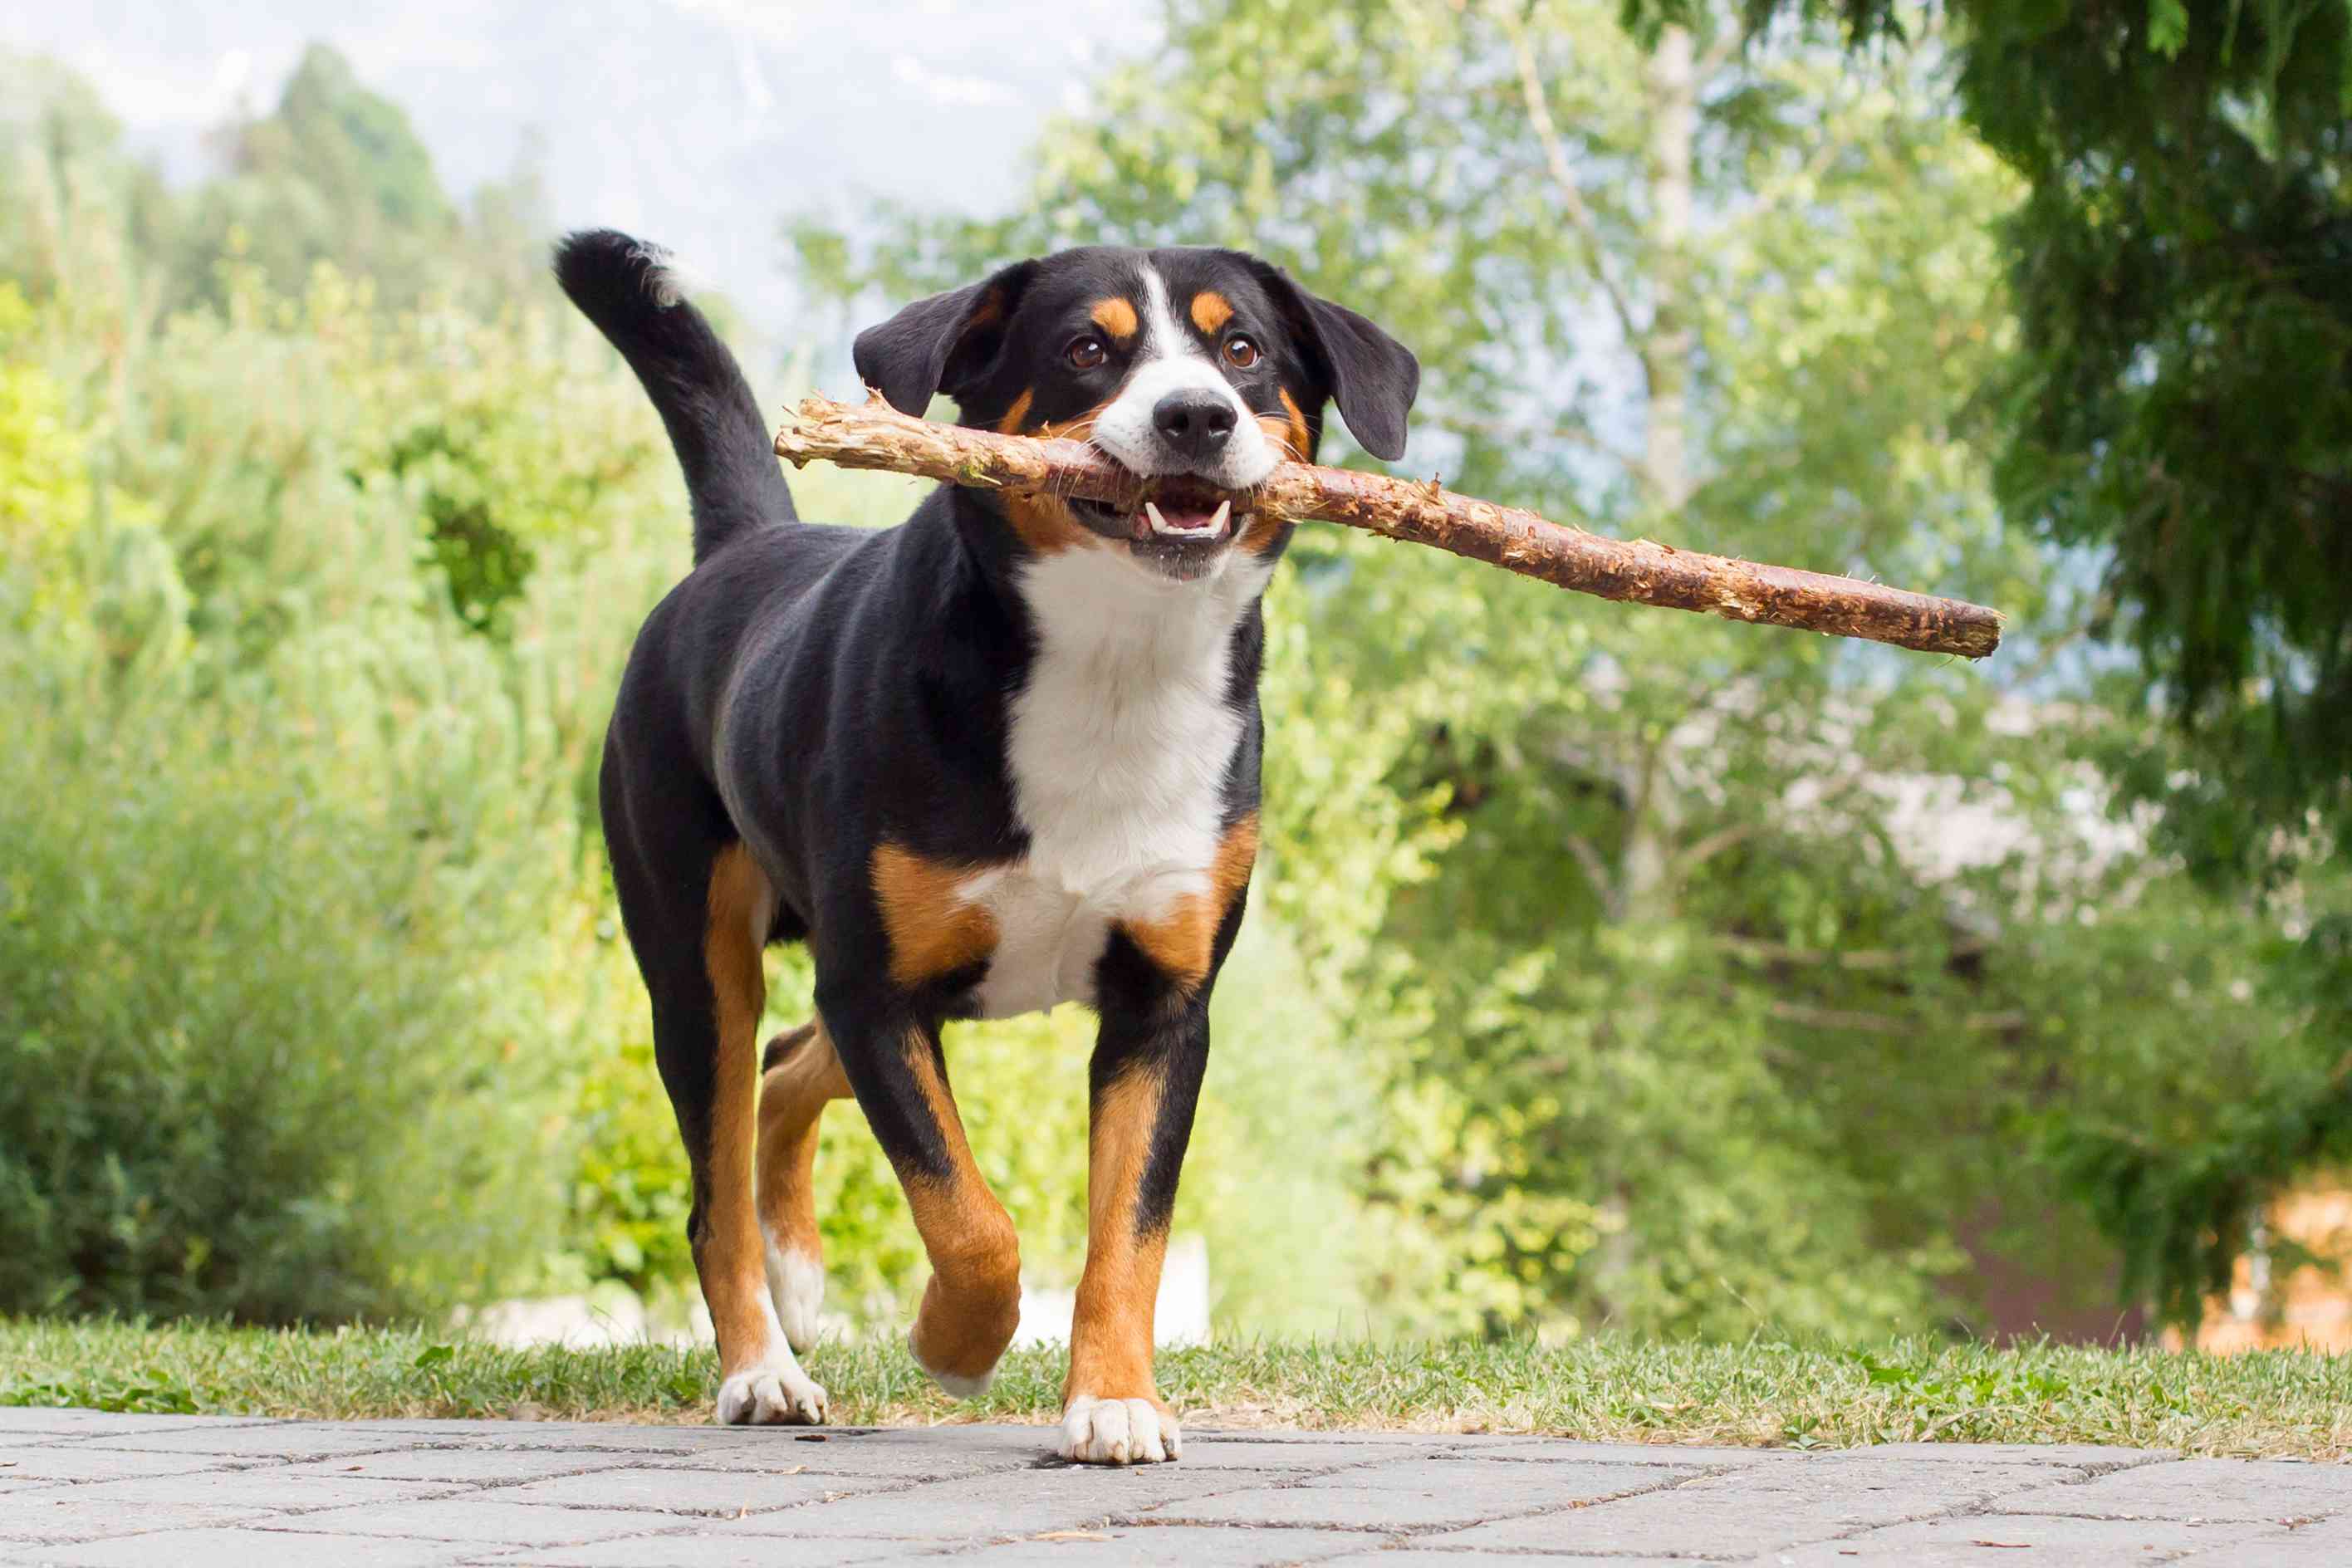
[[1211, 310], [1115, 316]]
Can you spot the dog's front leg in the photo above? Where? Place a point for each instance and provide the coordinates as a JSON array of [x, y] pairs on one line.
[[973, 1303], [1144, 1082]]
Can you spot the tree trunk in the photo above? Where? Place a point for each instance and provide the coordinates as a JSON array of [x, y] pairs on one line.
[[1672, 91], [1670, 95]]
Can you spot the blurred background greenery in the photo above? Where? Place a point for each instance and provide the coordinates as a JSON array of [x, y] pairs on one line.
[[1607, 969]]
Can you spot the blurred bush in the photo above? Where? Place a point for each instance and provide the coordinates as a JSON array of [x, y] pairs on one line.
[[290, 908], [259, 1056]]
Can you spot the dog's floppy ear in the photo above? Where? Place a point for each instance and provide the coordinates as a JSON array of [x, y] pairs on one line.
[[942, 343], [1373, 378]]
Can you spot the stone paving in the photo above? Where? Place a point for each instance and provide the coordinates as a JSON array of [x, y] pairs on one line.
[[93, 1491]]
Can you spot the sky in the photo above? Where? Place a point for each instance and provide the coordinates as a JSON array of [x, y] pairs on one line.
[[698, 123]]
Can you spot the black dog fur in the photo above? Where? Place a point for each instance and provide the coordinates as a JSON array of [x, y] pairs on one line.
[[921, 750]]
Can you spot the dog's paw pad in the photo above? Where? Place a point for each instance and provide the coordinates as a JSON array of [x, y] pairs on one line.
[[771, 1396], [1118, 1432]]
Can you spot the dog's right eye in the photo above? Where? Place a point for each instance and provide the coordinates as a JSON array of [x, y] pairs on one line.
[[1087, 353]]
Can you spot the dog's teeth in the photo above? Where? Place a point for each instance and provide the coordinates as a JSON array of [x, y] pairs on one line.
[[1159, 523], [1225, 510]]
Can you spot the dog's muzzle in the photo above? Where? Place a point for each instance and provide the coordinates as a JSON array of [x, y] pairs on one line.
[[1180, 528]]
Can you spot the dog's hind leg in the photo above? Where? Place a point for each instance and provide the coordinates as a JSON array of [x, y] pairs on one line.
[[803, 1076], [697, 930]]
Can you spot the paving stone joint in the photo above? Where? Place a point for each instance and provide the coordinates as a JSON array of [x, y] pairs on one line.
[[88, 1489]]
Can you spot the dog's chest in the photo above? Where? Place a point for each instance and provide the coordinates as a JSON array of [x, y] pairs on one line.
[[1121, 745]]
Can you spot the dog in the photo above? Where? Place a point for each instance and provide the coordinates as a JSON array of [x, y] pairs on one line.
[[1002, 755]]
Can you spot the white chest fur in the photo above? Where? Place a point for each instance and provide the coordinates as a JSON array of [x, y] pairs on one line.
[[1119, 745]]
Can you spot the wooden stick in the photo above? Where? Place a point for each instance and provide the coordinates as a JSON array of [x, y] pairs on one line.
[[1636, 570]]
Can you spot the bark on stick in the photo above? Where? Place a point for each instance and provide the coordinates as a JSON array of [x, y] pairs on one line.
[[1636, 571]]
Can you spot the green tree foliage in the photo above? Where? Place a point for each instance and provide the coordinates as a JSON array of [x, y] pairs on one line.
[[299, 967], [2180, 399], [334, 172], [1689, 1031], [2177, 408], [277, 917]]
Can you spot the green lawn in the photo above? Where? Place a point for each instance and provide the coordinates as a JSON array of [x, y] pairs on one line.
[[2279, 1403]]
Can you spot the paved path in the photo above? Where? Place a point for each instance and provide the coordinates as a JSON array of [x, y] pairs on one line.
[[76, 1487]]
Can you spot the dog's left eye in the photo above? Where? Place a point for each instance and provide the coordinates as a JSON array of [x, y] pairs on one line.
[[1241, 352], [1087, 353]]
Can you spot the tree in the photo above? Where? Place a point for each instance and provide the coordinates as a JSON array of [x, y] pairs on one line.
[[2180, 400], [1686, 1030], [335, 172], [2178, 409]]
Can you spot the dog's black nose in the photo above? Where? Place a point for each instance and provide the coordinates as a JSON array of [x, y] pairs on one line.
[[1195, 423]]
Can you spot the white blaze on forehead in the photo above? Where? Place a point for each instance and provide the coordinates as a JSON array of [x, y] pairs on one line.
[[1173, 360], [1167, 334]]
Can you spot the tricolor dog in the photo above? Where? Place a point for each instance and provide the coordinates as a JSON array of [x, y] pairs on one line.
[[1001, 756]]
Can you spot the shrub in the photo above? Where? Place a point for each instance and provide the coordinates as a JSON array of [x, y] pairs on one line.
[[250, 1060]]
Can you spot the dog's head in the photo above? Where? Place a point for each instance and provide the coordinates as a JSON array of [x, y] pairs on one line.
[[1184, 365]]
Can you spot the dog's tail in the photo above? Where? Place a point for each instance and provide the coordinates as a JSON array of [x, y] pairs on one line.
[[635, 298]]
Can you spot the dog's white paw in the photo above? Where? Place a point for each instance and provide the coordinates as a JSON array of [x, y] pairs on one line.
[[796, 1283], [1118, 1432], [771, 1396]]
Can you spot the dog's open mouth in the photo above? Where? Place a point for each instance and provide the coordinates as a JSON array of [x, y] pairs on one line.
[[1179, 529]]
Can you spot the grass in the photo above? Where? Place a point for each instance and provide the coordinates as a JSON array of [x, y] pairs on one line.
[[2272, 1404]]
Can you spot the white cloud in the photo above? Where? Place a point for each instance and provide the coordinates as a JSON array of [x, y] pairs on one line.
[[769, 22], [950, 88]]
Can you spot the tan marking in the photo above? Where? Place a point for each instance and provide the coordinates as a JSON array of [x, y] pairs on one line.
[[1277, 432], [1115, 316], [1210, 311], [1111, 1328], [1262, 530], [1291, 437], [1302, 439], [991, 307], [733, 1272], [1014, 416], [1179, 942], [1259, 536], [1044, 523], [1079, 426], [931, 930], [973, 1303], [793, 1097]]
